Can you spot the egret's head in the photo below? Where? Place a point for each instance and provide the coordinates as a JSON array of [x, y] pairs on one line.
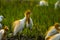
[[6, 28], [57, 26], [1, 18], [27, 13]]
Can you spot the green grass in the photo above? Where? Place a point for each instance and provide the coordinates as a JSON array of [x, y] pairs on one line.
[[43, 17]]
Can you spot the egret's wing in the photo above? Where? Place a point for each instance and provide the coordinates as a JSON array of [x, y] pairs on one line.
[[1, 34], [16, 27]]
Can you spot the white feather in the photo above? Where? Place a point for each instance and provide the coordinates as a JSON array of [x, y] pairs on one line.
[[55, 37], [0, 25], [19, 28], [51, 32], [43, 3], [1, 18], [57, 4], [30, 24], [1, 33]]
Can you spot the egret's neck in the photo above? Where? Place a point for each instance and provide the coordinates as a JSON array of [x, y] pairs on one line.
[[28, 20], [24, 19]]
